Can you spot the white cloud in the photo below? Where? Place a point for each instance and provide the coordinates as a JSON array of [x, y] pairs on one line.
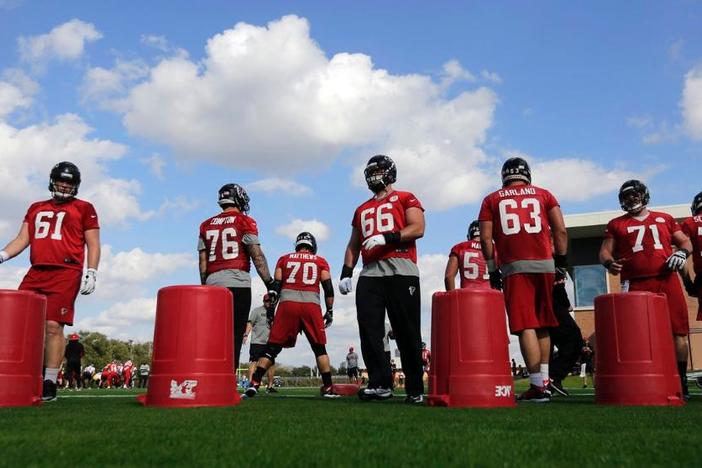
[[691, 103], [29, 153], [454, 72], [492, 77], [132, 273], [11, 276], [103, 86], [675, 51], [573, 179], [156, 164], [65, 42], [296, 108], [174, 206], [320, 230], [132, 319], [277, 184], [158, 42], [16, 91]]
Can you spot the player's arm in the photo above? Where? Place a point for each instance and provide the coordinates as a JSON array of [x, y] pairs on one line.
[[450, 273], [558, 231], [353, 249], [328, 288], [203, 266], [92, 241], [249, 326], [607, 256], [16, 245], [259, 261], [415, 225], [488, 247]]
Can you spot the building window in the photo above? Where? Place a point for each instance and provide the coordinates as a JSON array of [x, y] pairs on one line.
[[590, 281]]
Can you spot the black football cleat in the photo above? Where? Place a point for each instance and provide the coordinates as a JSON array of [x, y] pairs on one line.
[[556, 387], [49, 391]]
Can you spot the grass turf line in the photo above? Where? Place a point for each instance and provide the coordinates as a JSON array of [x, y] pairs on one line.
[[272, 431]]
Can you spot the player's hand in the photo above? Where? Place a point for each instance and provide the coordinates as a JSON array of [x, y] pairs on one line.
[[328, 318], [345, 286], [273, 290], [373, 242], [496, 280], [88, 284], [677, 260], [614, 266], [246, 337], [4, 256]]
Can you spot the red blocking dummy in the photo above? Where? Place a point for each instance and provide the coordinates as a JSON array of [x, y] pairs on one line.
[[23, 318], [635, 355], [470, 350], [193, 349]]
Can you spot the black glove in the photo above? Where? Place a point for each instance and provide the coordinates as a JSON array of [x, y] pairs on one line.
[[561, 262], [270, 315], [273, 290], [496, 280], [328, 318]]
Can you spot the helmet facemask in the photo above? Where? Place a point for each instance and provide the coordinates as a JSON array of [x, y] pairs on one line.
[[633, 197]]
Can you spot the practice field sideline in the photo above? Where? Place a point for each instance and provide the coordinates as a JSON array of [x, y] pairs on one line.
[[97, 427]]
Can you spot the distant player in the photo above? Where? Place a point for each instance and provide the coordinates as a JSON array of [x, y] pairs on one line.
[[426, 358], [228, 242], [692, 227], [300, 275], [74, 353], [521, 219], [466, 259], [352, 366], [384, 232], [638, 246], [58, 231], [259, 329], [127, 371]]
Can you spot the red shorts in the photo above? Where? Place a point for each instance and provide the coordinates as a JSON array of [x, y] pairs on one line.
[[294, 317], [529, 301], [677, 305], [60, 286]]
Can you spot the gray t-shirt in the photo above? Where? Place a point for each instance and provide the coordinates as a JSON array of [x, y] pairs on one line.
[[259, 326], [351, 360]]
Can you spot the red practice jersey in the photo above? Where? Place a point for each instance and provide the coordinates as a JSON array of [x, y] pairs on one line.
[[302, 271], [520, 226], [471, 264], [57, 232], [692, 227], [222, 239], [643, 246], [386, 215]]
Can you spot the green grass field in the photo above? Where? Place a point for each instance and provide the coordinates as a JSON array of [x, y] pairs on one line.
[[297, 428]]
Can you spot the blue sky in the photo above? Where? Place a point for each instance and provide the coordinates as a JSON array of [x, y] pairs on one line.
[[162, 104]]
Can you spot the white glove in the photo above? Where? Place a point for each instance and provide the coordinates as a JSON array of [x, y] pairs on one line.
[[345, 286], [374, 241], [88, 284], [4, 256], [677, 260]]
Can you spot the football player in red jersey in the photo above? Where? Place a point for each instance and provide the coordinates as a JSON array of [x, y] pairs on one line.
[[384, 232], [300, 274], [228, 242], [521, 219], [692, 227], [57, 231], [638, 246], [466, 258]]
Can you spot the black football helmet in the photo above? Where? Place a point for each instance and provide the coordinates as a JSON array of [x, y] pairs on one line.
[[64, 172], [696, 206], [380, 172], [633, 196], [234, 194], [474, 229], [306, 239], [515, 169]]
